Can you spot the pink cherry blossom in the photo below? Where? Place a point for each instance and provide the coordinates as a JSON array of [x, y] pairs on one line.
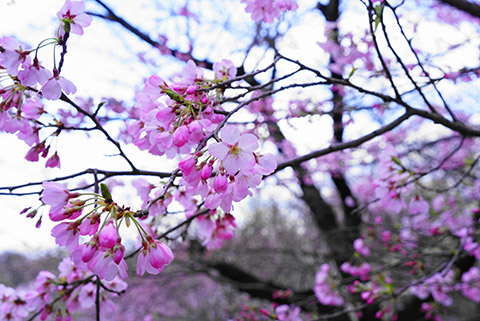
[[90, 224], [71, 210], [262, 9], [224, 70], [13, 55], [288, 313], [180, 136], [471, 284], [72, 13], [285, 5], [89, 249], [418, 205], [103, 265], [323, 289], [33, 154], [53, 87], [66, 234], [33, 74], [187, 164], [220, 183], [235, 151], [55, 194], [206, 172], [53, 161], [223, 231], [32, 108], [154, 256], [360, 246]]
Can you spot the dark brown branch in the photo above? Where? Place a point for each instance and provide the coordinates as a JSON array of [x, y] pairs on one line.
[[342, 146], [471, 8], [92, 171], [100, 128]]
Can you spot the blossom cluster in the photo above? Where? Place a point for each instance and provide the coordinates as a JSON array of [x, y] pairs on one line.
[[103, 253], [269, 10], [76, 287], [29, 81], [324, 288], [183, 119]]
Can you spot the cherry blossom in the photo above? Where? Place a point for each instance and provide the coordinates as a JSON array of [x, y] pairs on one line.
[[154, 256], [235, 150], [53, 87], [323, 289], [224, 70], [73, 17]]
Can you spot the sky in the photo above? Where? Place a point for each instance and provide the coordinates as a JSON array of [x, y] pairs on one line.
[[101, 63], [32, 21]]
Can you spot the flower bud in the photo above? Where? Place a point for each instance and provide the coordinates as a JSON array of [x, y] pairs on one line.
[[180, 136], [220, 183], [108, 236]]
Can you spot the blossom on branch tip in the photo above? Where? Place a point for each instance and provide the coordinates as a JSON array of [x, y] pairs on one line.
[[13, 55], [73, 17]]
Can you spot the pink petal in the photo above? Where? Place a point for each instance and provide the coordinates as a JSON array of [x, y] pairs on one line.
[[230, 134], [219, 150], [232, 164], [248, 142], [67, 86], [51, 90], [246, 161]]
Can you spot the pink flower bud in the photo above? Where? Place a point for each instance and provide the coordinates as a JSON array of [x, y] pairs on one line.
[[187, 164], [89, 251], [206, 172], [180, 136], [118, 252], [220, 183], [191, 89], [108, 236]]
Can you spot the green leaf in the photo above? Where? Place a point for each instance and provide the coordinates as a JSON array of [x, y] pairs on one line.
[[378, 15], [351, 72], [379, 10], [377, 21], [396, 161], [105, 192]]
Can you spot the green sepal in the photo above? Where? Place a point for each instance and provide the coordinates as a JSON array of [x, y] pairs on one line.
[[174, 95], [66, 25]]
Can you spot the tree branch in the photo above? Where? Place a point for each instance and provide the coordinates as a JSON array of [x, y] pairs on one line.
[[471, 8]]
